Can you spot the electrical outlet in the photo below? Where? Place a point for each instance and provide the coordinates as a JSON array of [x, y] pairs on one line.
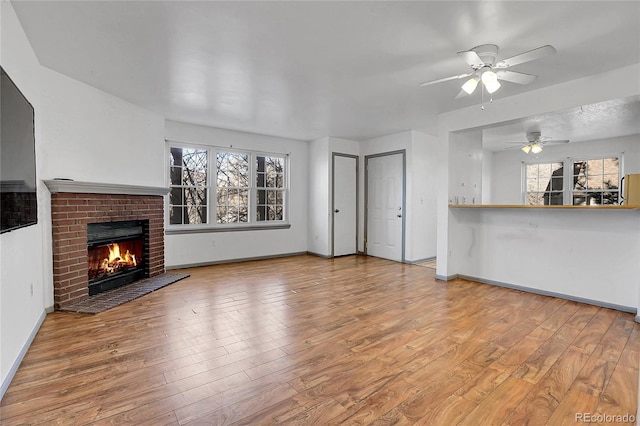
[[213, 243]]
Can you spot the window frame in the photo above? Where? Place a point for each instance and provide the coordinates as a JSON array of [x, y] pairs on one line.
[[567, 181], [252, 223], [524, 190]]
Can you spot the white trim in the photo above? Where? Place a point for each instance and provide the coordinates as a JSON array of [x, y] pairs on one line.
[[578, 299], [71, 186], [14, 368], [237, 260]]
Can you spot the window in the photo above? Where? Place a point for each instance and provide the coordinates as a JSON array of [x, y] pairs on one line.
[[595, 182], [247, 187], [232, 187], [544, 184], [591, 182], [188, 183], [270, 186]]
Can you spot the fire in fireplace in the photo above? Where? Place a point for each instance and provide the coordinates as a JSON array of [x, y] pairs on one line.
[[115, 254]]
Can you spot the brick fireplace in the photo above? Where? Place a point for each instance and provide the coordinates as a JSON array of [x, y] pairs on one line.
[[75, 205]]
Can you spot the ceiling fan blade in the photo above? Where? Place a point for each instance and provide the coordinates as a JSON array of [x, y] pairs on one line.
[[556, 141], [453, 77], [531, 55], [515, 77], [472, 58]]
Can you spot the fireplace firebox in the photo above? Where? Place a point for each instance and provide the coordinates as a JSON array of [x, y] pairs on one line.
[[116, 254]]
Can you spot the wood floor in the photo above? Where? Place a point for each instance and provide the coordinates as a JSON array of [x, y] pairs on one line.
[[305, 340]]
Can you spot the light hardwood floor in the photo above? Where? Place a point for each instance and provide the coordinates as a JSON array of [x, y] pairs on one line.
[[305, 340]]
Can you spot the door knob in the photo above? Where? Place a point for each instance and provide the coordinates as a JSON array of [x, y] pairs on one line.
[[336, 211], [399, 215]]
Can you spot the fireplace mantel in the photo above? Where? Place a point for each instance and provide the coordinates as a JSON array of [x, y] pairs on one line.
[[71, 186]]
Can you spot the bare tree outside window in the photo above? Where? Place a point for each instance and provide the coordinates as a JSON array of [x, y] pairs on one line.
[[188, 184], [270, 188], [246, 187], [596, 182], [232, 187], [544, 184]]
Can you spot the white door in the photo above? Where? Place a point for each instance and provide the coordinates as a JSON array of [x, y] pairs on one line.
[[345, 212], [385, 204]]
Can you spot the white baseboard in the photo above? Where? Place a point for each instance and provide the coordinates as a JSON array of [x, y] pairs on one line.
[[14, 368]]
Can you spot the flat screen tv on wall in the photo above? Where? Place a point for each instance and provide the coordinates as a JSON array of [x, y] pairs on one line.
[[18, 203]]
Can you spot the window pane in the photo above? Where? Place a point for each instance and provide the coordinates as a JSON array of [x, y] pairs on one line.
[[197, 214], [610, 198], [221, 214], [611, 181], [243, 197], [175, 175], [595, 167], [270, 172], [532, 171], [232, 170], [545, 171], [579, 198], [271, 197], [175, 215], [196, 196], [176, 196]]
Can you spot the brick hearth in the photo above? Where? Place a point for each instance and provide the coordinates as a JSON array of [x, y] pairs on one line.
[[72, 211]]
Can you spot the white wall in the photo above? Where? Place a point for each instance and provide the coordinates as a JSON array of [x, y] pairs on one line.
[[81, 133], [92, 136], [465, 173], [319, 202], [22, 271], [506, 173], [211, 247], [423, 216], [592, 255]]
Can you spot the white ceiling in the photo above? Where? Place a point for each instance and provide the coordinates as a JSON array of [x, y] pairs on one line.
[[608, 119], [311, 69]]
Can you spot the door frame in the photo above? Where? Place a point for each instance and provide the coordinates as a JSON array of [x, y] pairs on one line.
[[333, 195], [403, 152]]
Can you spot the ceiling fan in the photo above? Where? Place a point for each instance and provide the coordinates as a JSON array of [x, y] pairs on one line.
[[535, 141], [488, 71]]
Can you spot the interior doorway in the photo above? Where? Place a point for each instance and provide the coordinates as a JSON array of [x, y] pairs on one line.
[[344, 205], [385, 205]]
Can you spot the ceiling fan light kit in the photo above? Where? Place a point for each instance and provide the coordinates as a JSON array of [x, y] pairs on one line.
[[482, 60], [535, 141], [535, 148], [470, 85]]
